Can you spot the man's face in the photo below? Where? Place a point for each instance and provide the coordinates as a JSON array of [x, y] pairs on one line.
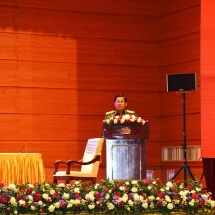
[[120, 104]]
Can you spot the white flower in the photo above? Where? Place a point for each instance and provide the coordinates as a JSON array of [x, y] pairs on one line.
[[127, 183], [107, 121], [52, 191], [149, 187], [13, 201], [167, 188], [77, 202], [51, 208], [151, 198], [192, 202], [12, 187], [30, 198], [170, 206], [57, 204], [181, 186], [125, 198], [134, 189], [134, 182], [107, 196], [169, 184], [77, 190], [136, 196], [115, 121], [61, 185], [21, 202], [182, 193], [32, 208], [40, 202], [198, 189], [145, 205], [110, 206], [31, 185], [89, 196], [91, 206], [45, 196], [15, 212], [167, 198], [130, 202], [152, 206], [77, 182], [65, 196], [122, 188], [162, 190]]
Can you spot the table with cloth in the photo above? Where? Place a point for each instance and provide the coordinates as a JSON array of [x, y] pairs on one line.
[[21, 168]]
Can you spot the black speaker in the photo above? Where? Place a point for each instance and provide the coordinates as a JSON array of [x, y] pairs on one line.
[[181, 82]]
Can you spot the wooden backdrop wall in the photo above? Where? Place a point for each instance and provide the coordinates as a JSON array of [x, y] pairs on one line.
[[62, 62], [180, 53]]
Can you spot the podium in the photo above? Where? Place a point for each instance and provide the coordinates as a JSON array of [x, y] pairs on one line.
[[126, 151]]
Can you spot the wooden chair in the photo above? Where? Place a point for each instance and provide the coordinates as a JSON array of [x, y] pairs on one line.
[[89, 164]]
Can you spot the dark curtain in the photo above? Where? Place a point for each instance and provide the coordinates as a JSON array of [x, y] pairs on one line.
[[209, 174]]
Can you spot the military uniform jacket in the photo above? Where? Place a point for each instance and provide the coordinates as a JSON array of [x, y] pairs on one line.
[[112, 113]]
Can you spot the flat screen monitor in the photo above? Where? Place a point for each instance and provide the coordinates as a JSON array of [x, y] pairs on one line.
[[181, 82]]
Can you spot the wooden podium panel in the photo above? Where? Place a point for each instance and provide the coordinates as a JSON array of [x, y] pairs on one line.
[[125, 159], [126, 151]]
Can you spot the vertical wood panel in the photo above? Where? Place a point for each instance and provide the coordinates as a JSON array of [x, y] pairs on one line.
[[207, 78]]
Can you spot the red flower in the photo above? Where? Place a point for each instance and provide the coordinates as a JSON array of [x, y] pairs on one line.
[[77, 196], [204, 191], [146, 181], [99, 204], [38, 196], [1, 184], [18, 196], [201, 203], [3, 199], [200, 181], [98, 196], [117, 193], [160, 195], [106, 189], [181, 206], [127, 189], [41, 211], [120, 204], [159, 181], [195, 196], [121, 182], [28, 190], [159, 203], [86, 184], [189, 187], [175, 197]]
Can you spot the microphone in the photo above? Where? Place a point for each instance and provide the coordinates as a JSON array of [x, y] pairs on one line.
[[22, 148]]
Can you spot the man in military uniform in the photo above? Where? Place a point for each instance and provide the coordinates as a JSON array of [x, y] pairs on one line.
[[120, 103]]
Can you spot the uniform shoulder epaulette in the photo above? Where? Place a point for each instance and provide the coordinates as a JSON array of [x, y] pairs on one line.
[[130, 111], [110, 112]]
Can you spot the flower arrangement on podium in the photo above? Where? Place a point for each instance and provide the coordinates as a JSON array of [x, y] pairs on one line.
[[126, 120]]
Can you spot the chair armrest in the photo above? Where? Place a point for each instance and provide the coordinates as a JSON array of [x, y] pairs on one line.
[[57, 163], [70, 162]]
